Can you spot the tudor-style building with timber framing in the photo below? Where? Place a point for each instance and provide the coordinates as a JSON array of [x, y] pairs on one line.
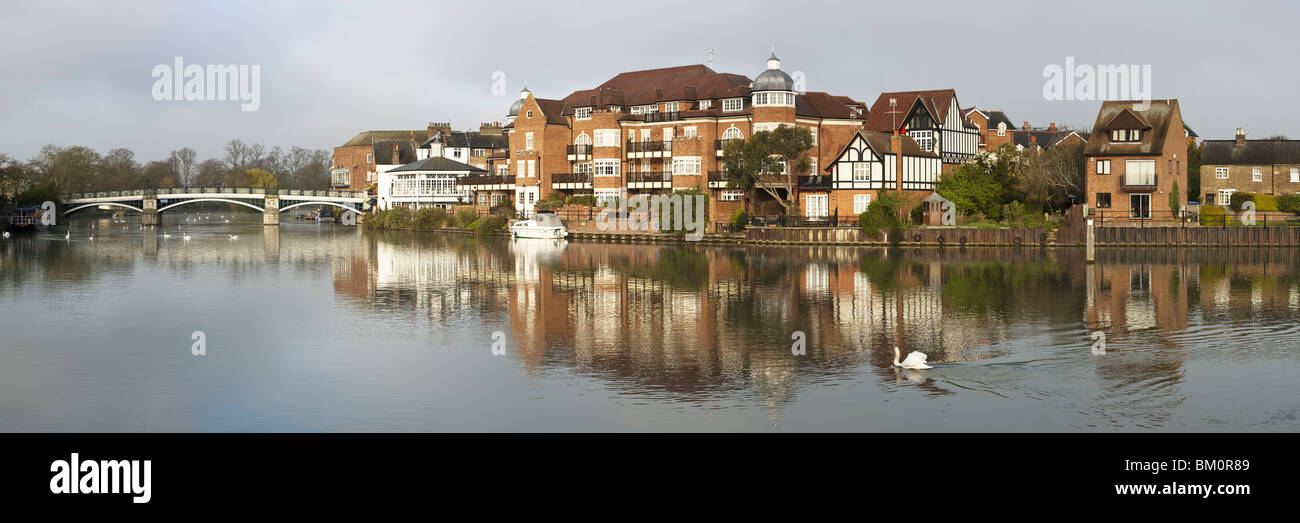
[[869, 165], [932, 118]]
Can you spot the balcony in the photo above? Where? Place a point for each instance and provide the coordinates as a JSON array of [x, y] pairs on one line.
[[489, 179], [1140, 183], [571, 181], [578, 152], [650, 180], [667, 116], [717, 179], [648, 149], [816, 181], [719, 145]]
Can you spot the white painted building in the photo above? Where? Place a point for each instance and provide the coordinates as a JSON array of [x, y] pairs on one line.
[[430, 182]]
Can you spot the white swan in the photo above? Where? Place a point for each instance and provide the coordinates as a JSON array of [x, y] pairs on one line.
[[186, 237], [166, 235], [915, 360], [6, 235], [68, 235], [234, 236]]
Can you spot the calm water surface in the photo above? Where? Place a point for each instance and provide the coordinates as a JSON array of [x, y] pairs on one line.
[[330, 328]]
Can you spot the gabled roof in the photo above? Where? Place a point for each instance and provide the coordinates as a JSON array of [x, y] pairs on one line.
[[437, 164], [1255, 152], [936, 102], [1127, 119], [1157, 116], [1190, 132], [817, 104], [470, 139], [880, 143]]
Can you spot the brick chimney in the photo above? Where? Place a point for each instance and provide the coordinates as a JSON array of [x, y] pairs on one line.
[[1026, 127], [1241, 138], [896, 143], [489, 128], [1052, 127], [397, 157]]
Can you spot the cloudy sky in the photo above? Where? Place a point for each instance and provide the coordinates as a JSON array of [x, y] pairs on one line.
[[80, 73]]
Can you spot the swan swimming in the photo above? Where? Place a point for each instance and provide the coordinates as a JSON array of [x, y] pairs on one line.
[[6, 235], [186, 237], [915, 360], [234, 236]]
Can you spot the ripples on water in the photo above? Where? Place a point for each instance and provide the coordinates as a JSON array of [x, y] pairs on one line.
[[319, 327]]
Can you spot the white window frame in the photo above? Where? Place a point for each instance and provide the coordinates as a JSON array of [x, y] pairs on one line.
[[1295, 174], [690, 132], [705, 104], [1256, 174], [605, 167], [861, 171], [582, 113], [924, 139], [813, 131], [532, 168], [686, 165], [528, 141], [1134, 168], [1225, 197], [1221, 173], [731, 195], [520, 171], [1103, 166], [861, 202], [729, 135], [585, 139], [605, 138], [670, 107], [731, 105], [604, 196], [370, 157]]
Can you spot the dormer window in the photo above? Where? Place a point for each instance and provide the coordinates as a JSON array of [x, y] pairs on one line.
[[670, 107], [705, 104], [730, 105], [582, 113], [1125, 135]]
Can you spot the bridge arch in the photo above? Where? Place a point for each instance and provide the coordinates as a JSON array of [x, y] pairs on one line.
[[197, 200], [335, 204], [116, 204]]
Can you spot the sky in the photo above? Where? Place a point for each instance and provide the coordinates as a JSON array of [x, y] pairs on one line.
[[81, 73]]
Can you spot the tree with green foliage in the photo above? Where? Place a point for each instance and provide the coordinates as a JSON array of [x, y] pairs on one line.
[[260, 178], [1193, 172], [985, 183], [1175, 203], [768, 161]]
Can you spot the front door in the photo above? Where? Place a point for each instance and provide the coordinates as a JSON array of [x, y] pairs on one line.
[[525, 197], [1141, 206]]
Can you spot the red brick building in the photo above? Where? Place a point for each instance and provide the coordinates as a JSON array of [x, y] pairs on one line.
[[1136, 160], [358, 161], [663, 129]]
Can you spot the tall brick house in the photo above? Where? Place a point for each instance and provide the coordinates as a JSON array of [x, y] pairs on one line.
[[1254, 166], [932, 119], [662, 129], [995, 127], [1134, 157], [358, 161]]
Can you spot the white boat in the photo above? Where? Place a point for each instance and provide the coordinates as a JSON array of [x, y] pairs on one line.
[[543, 225]]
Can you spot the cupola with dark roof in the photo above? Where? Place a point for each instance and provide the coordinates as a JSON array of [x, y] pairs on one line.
[[773, 87], [514, 108]]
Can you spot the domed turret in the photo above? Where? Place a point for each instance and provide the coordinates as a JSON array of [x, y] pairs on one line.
[[773, 79], [514, 108]]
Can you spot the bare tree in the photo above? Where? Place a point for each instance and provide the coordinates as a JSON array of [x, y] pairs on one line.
[[184, 160]]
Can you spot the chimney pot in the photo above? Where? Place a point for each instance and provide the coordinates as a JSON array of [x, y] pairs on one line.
[[1241, 137], [1026, 127]]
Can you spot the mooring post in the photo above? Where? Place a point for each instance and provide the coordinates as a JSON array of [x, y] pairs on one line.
[[1092, 243]]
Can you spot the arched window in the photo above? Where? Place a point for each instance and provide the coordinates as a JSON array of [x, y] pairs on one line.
[[732, 133], [582, 139]]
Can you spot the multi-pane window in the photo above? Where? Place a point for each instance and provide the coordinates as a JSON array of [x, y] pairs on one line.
[[1103, 200], [582, 168], [1225, 196], [606, 137], [604, 196], [606, 167], [733, 133], [670, 107], [519, 169], [1125, 135], [370, 158], [690, 132], [642, 109], [733, 104], [1295, 174], [582, 113], [503, 170], [686, 165], [924, 139], [1256, 174], [1221, 173], [705, 104], [1103, 166], [861, 172], [528, 141], [773, 98], [730, 196], [813, 132], [861, 202], [668, 134]]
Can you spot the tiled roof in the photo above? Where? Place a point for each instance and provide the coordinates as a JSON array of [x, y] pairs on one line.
[[936, 101], [687, 82], [1157, 115], [369, 137], [437, 164], [383, 151], [471, 139], [1255, 152], [822, 105]]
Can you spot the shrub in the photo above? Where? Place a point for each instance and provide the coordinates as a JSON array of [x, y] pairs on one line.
[[429, 218], [474, 224], [1289, 203], [1265, 202], [918, 214], [881, 214], [1240, 198], [465, 217], [583, 199], [489, 224], [1213, 215], [739, 219], [505, 212], [394, 218]]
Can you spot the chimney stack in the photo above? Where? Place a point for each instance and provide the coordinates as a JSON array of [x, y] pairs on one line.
[[396, 156], [1052, 127], [1241, 138], [1026, 125], [896, 143], [489, 128]]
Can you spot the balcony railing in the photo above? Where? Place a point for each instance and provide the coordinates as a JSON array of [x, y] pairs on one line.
[[649, 176], [1141, 183], [815, 182], [648, 147], [722, 144], [486, 179], [666, 116], [578, 149], [571, 178]]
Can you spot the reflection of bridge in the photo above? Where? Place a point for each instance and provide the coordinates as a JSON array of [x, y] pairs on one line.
[[150, 202]]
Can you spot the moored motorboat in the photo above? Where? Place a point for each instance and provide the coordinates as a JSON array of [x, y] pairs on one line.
[[544, 225]]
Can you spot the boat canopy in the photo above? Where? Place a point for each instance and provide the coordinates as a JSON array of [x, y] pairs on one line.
[[546, 219]]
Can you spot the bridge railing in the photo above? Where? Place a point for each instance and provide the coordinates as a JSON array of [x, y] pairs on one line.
[[164, 192]]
